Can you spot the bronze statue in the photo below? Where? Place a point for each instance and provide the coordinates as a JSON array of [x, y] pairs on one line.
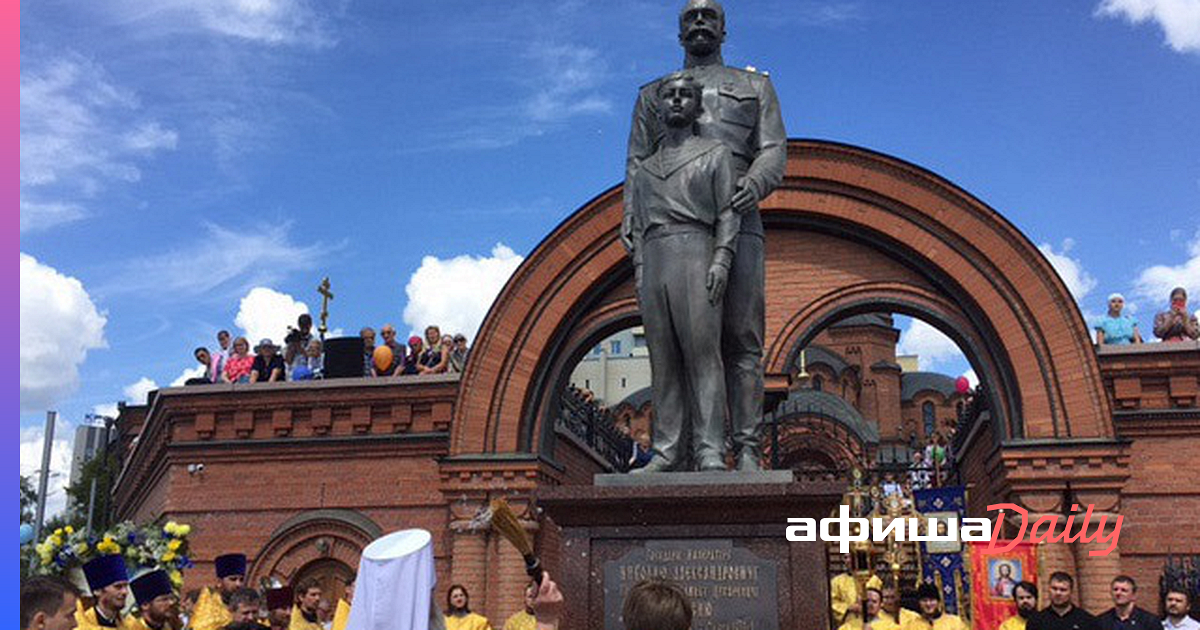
[[740, 109], [684, 233]]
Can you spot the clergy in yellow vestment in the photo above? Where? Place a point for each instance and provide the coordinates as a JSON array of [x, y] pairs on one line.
[[524, 619], [341, 615], [843, 596], [210, 612], [872, 607], [302, 620], [1025, 595], [1015, 622], [891, 607], [932, 617], [280, 600], [109, 581], [308, 601], [156, 600]]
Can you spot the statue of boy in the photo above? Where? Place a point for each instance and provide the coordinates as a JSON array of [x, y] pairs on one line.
[[684, 238], [741, 110]]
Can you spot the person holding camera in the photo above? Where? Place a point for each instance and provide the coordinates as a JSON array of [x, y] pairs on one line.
[[295, 344]]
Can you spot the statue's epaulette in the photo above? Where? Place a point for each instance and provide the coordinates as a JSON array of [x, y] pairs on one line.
[[755, 71]]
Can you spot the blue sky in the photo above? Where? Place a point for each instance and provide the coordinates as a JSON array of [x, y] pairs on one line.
[[201, 164]]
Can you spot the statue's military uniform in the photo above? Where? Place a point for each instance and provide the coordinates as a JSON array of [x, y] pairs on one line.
[[742, 111]]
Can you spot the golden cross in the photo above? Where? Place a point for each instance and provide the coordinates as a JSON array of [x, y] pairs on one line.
[[323, 289]]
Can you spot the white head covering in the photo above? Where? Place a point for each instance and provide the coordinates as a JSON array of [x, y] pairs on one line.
[[395, 583]]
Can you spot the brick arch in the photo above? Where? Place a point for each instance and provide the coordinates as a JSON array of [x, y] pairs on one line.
[[313, 538], [920, 243], [839, 302], [803, 434]]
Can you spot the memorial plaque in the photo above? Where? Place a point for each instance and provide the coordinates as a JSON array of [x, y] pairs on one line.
[[731, 588]]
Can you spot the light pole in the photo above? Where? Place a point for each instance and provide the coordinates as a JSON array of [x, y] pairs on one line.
[[47, 448], [108, 424]]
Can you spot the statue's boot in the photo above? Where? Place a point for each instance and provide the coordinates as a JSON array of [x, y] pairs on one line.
[[748, 461], [657, 463], [709, 462]]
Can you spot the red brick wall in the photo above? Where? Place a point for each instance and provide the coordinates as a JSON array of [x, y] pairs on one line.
[[1161, 505]]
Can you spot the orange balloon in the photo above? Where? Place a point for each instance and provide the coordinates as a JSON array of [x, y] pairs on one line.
[[383, 358]]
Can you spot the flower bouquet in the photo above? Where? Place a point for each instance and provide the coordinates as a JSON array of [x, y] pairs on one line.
[[157, 546], [148, 547]]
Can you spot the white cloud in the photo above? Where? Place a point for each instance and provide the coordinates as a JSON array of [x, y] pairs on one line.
[[79, 133], [557, 84], [1155, 283], [265, 21], [972, 378], [219, 258], [59, 325], [1079, 282], [456, 294], [32, 441], [106, 410], [267, 313], [806, 13], [271, 22], [932, 347], [136, 393], [187, 373], [1179, 19], [568, 77]]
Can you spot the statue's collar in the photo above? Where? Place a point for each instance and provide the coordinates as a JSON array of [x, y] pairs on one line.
[[664, 162]]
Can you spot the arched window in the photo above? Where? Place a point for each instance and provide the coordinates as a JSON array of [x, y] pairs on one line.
[[929, 418], [817, 383]]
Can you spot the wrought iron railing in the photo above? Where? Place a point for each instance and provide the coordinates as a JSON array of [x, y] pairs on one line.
[[596, 428], [979, 402]]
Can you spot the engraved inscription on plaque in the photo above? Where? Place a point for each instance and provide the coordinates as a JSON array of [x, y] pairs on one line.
[[730, 587]]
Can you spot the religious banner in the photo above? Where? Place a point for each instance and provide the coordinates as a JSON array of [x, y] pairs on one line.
[[942, 561], [994, 576]]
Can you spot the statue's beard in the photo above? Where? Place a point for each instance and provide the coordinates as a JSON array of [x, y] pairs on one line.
[[701, 46]]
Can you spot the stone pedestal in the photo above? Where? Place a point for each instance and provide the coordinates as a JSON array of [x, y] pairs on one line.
[[719, 535]]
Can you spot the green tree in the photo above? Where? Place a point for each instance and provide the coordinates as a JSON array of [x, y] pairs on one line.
[[103, 468], [28, 500]]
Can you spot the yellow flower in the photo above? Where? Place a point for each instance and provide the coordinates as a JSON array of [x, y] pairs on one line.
[[176, 577], [184, 530], [58, 532], [70, 530], [169, 556], [81, 549], [108, 546], [174, 545]]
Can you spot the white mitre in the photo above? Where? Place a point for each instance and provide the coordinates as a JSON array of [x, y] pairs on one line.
[[395, 583]]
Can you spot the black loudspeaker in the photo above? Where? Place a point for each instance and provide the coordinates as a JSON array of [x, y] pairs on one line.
[[343, 357]]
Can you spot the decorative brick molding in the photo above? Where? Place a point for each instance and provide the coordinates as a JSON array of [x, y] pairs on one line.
[[1152, 377], [213, 422], [1039, 474], [311, 536]]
